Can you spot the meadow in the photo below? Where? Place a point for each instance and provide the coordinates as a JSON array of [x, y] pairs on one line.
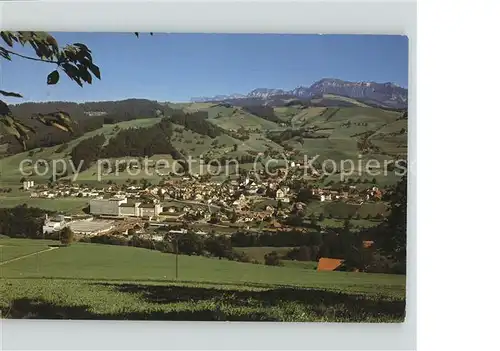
[[92, 281]]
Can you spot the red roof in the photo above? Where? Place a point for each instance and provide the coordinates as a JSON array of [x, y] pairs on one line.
[[329, 264]]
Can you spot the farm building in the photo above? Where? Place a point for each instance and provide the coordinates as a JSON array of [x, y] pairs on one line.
[[329, 264]]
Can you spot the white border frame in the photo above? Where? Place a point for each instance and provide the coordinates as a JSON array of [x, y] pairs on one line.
[[353, 17]]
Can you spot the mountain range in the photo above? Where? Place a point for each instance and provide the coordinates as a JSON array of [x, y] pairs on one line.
[[382, 94]]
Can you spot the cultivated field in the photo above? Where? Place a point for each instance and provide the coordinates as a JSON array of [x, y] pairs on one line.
[[92, 281]]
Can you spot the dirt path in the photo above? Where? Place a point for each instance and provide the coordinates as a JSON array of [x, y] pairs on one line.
[[31, 254]]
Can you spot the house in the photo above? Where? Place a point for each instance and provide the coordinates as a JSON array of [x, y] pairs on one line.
[[53, 224], [329, 264], [326, 197], [269, 208], [28, 184], [280, 194]]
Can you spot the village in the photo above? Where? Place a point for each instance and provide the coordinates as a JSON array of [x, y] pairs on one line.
[[245, 202]]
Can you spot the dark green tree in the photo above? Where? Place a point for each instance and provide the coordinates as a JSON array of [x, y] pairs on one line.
[[394, 243], [66, 236]]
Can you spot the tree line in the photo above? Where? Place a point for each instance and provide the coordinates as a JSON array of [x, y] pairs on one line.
[[22, 221]]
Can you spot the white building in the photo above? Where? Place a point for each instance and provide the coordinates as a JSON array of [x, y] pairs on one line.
[[51, 225], [121, 207], [129, 209], [109, 207], [280, 194], [150, 210], [27, 184], [326, 197]]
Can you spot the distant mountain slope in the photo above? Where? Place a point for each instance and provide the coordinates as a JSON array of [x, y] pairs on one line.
[[382, 94]]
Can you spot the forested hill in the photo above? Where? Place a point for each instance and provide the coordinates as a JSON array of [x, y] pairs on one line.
[[89, 116]]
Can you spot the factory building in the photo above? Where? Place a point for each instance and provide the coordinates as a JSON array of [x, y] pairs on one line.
[[109, 207], [124, 208]]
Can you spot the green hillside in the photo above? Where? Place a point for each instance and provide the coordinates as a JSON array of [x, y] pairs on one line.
[[100, 281], [335, 133], [9, 166]]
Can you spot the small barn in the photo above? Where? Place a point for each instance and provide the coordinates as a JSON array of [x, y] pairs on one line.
[[329, 264]]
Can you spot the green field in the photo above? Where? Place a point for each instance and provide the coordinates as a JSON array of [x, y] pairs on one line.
[[92, 281], [11, 249]]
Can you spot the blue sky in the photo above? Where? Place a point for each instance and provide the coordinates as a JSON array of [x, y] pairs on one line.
[[176, 67]]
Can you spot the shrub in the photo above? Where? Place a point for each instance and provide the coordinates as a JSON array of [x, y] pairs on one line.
[[67, 236], [272, 259]]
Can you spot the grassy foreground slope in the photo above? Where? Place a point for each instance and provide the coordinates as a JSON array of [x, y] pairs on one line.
[[99, 281]]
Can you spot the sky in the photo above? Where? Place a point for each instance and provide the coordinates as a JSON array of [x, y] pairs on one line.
[[177, 67]]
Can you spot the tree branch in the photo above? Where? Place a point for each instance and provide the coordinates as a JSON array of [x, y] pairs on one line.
[[28, 57]]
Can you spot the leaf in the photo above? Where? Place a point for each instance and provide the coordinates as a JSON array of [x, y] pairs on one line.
[[95, 70], [82, 47], [60, 126], [59, 119], [62, 116], [8, 125], [84, 74], [52, 42], [24, 37], [24, 127], [7, 37], [11, 94], [53, 77], [5, 54], [4, 109]]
